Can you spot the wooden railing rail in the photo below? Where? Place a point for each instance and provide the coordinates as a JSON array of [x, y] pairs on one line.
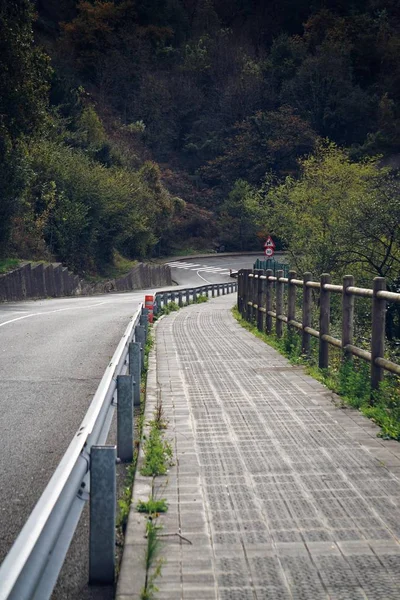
[[256, 293]]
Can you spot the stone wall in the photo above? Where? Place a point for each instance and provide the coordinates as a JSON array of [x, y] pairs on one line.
[[54, 281]]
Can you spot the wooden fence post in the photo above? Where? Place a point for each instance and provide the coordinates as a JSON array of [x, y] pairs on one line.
[[347, 316], [307, 302], [238, 296], [291, 314], [279, 303], [244, 293], [249, 294], [268, 306], [324, 319], [254, 296], [378, 331], [260, 300]]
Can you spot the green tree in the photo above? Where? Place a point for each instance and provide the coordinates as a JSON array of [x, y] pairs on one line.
[[24, 85], [339, 215], [240, 217], [265, 141]]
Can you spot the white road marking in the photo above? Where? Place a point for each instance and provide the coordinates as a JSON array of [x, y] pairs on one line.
[[48, 312], [203, 268], [216, 271], [183, 264], [206, 280]]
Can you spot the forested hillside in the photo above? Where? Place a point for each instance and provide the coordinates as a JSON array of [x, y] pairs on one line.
[[145, 126]]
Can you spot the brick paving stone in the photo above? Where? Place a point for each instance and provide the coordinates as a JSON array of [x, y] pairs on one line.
[[280, 494]]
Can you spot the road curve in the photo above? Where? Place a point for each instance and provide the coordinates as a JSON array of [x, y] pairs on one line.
[[214, 269], [52, 356]]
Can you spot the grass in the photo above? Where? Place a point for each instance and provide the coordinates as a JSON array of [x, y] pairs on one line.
[[121, 266], [152, 506], [349, 379], [124, 503], [152, 565], [8, 264], [157, 453]]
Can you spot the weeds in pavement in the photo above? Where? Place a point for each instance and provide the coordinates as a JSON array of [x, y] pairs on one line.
[[152, 506], [157, 453], [152, 565], [124, 502]]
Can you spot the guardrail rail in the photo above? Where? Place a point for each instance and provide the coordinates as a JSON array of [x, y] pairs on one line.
[[88, 471]]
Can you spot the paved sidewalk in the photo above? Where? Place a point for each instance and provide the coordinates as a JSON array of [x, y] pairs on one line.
[[281, 494]]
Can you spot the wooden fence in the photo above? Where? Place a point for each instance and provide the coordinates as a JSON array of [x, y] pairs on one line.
[[257, 289]]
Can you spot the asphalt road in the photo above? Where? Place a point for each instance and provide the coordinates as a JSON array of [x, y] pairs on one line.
[[213, 269], [52, 356]]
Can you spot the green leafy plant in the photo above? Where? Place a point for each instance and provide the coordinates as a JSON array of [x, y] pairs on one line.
[[8, 264], [153, 571], [152, 506], [124, 503], [157, 454], [159, 421], [201, 299]]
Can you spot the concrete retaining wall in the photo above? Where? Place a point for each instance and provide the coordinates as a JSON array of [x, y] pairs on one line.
[[54, 281]]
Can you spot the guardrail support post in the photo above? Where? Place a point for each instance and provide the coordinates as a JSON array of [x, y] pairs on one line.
[[102, 514], [135, 366], [268, 305], [213, 291], [324, 320], [165, 298], [180, 300], [125, 418], [307, 306], [144, 321], [187, 297], [378, 331], [140, 336], [347, 316], [279, 304]]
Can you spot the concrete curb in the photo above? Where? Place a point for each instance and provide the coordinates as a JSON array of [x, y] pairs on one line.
[[132, 573]]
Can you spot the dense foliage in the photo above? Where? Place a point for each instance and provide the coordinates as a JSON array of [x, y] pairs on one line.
[[230, 98]]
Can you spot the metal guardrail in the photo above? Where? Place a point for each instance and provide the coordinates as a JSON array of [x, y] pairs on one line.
[[162, 298], [87, 470], [31, 568]]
